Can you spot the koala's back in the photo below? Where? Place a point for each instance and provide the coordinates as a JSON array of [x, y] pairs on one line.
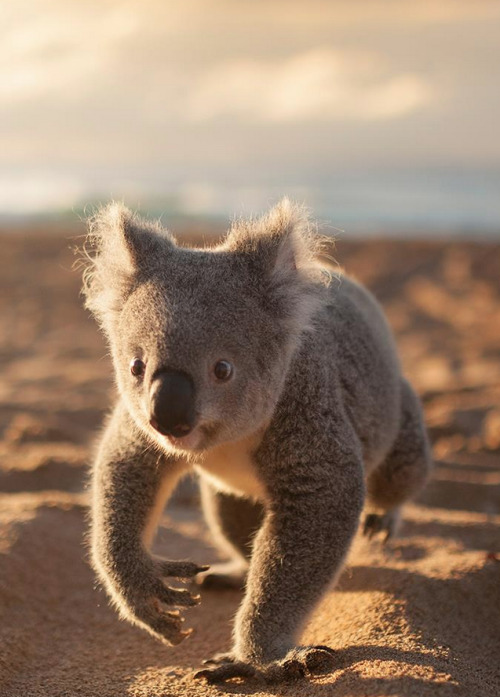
[[355, 350]]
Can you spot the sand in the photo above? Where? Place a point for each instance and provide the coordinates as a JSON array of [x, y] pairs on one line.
[[418, 617]]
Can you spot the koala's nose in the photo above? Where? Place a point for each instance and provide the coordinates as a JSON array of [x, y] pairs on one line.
[[172, 403]]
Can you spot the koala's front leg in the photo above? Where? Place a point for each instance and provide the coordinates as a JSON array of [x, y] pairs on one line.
[[311, 520], [130, 481]]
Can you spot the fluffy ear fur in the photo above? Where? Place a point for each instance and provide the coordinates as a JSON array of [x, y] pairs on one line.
[[119, 248], [284, 247]]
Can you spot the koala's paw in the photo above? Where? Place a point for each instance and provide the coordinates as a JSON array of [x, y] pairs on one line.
[[155, 604], [223, 576], [386, 523], [299, 663]]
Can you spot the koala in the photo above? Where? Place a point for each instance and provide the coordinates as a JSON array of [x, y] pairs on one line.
[[279, 384]]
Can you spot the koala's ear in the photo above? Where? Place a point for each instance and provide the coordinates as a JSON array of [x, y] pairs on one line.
[[119, 247], [283, 247], [284, 242]]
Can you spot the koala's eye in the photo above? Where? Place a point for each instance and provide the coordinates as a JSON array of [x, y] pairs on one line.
[[137, 367], [223, 370]]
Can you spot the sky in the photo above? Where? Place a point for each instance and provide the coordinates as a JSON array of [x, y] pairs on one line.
[[214, 107]]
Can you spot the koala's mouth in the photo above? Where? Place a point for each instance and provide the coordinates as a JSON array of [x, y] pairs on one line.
[[199, 439], [189, 442]]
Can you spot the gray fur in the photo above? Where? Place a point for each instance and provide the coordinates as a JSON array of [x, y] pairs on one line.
[[317, 407]]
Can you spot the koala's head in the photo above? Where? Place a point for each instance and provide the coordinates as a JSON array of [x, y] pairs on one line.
[[202, 339]]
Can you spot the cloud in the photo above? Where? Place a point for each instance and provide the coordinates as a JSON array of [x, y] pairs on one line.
[[49, 52], [180, 92], [319, 85]]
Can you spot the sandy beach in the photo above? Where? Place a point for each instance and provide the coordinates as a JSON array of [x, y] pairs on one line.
[[417, 617]]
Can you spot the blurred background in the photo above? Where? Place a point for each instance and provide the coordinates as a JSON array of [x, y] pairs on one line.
[[380, 115]]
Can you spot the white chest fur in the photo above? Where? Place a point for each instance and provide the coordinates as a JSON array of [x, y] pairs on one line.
[[230, 467]]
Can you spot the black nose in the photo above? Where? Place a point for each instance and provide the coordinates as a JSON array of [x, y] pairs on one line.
[[172, 403]]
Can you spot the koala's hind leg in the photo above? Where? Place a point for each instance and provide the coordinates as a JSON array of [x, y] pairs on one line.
[[233, 522], [404, 471]]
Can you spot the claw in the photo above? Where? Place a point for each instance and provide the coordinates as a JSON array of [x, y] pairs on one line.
[[176, 596], [179, 637], [372, 525], [225, 672], [173, 615], [218, 659], [203, 674], [375, 523], [181, 569]]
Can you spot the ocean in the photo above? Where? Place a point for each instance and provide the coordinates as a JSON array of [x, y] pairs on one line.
[[397, 203]]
